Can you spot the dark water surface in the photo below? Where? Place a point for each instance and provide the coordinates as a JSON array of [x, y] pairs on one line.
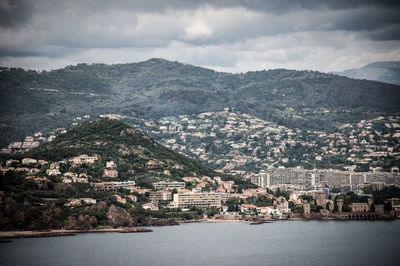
[[279, 243]]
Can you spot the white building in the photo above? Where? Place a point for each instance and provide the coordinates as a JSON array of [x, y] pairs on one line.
[[199, 200], [124, 183], [171, 185], [53, 172], [150, 206], [29, 161]]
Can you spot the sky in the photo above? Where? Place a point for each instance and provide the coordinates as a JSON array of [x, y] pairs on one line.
[[225, 35]]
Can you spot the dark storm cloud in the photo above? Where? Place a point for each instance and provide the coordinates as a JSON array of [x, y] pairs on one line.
[[207, 32], [14, 12]]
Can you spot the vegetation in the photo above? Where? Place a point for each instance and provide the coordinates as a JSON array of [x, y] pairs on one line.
[[32, 101], [129, 148]]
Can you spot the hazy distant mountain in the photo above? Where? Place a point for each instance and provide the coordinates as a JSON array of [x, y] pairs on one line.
[[388, 72], [33, 101]]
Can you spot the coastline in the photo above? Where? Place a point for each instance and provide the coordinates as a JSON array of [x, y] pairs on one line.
[[61, 232], [4, 235]]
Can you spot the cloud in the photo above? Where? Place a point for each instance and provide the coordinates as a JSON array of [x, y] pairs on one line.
[[197, 30], [14, 12], [225, 35]]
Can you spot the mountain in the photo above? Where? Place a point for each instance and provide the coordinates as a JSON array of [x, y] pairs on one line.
[[34, 101], [388, 72], [128, 147]]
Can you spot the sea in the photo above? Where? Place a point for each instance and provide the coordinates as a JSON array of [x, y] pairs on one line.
[[277, 243]]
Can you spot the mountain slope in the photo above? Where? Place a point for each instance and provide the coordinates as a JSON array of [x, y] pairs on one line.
[[130, 148], [32, 101], [388, 72]]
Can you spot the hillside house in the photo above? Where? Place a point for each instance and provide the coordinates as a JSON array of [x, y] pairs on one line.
[[110, 173], [104, 186], [27, 161], [111, 165]]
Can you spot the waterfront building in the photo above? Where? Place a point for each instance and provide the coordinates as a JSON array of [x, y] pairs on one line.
[[150, 206], [321, 199], [339, 203], [359, 207], [302, 178], [248, 208], [156, 196], [306, 209], [199, 200]]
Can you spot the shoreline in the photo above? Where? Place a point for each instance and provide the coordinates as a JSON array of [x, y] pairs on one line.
[[62, 232], [5, 235]]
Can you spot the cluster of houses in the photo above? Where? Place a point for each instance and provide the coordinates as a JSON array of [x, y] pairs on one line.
[[196, 192], [39, 137], [247, 140]]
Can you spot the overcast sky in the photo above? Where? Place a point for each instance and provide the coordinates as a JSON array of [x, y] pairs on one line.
[[226, 35]]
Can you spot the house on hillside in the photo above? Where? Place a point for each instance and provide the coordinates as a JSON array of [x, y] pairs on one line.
[[110, 173]]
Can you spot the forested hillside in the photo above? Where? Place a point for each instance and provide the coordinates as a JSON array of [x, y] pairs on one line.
[[32, 101]]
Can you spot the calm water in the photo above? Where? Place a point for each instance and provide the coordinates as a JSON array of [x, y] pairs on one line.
[[279, 243]]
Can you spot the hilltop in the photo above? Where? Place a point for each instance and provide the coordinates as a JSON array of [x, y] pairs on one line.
[[388, 72], [31, 101], [129, 148]]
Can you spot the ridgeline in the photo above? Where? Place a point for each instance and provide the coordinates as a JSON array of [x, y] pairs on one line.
[[31, 101]]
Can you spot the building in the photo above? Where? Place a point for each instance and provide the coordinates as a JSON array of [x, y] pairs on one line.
[[150, 206], [189, 179], [359, 207], [395, 202], [377, 185], [110, 173], [111, 165], [79, 179], [26, 161], [170, 185], [339, 203], [199, 200], [298, 177], [80, 201], [132, 198], [151, 164], [11, 161], [321, 199], [84, 158], [306, 209], [247, 208], [124, 183], [380, 209], [267, 211], [105, 186], [120, 199], [159, 195], [53, 172]]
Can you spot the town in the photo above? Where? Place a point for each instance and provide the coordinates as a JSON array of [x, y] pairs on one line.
[[276, 194], [241, 144]]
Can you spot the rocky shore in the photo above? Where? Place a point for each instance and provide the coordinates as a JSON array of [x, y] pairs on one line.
[[158, 222], [53, 233]]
